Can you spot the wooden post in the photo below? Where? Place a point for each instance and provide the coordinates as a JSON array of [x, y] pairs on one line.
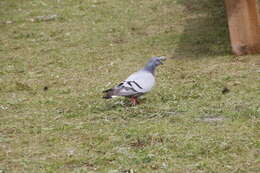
[[244, 28]]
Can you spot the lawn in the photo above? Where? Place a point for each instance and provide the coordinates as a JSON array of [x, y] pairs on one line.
[[57, 56]]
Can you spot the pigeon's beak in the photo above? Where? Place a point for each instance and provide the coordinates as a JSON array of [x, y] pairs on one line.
[[162, 58]]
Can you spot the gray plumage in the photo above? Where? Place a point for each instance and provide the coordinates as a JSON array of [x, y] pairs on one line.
[[137, 83]]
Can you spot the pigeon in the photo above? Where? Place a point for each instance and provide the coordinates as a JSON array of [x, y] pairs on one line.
[[137, 83]]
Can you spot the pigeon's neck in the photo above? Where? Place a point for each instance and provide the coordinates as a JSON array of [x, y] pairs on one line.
[[150, 67]]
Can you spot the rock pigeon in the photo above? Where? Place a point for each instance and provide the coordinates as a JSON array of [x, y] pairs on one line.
[[137, 83]]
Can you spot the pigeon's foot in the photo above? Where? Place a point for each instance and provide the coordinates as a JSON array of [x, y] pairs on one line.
[[134, 101]]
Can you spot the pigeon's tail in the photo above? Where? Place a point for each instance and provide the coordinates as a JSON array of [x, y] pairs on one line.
[[109, 93]]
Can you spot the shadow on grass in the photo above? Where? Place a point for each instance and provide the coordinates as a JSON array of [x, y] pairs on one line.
[[205, 29]]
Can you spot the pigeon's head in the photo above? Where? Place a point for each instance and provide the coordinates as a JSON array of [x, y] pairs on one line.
[[157, 60], [153, 63]]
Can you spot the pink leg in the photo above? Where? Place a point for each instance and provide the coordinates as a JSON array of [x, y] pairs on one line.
[[134, 101]]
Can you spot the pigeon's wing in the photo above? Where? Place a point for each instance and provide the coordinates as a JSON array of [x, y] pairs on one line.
[[138, 83]]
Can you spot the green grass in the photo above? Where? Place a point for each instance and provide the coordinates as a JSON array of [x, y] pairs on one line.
[[56, 57]]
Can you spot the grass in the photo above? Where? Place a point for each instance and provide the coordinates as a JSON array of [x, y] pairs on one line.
[[58, 56]]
